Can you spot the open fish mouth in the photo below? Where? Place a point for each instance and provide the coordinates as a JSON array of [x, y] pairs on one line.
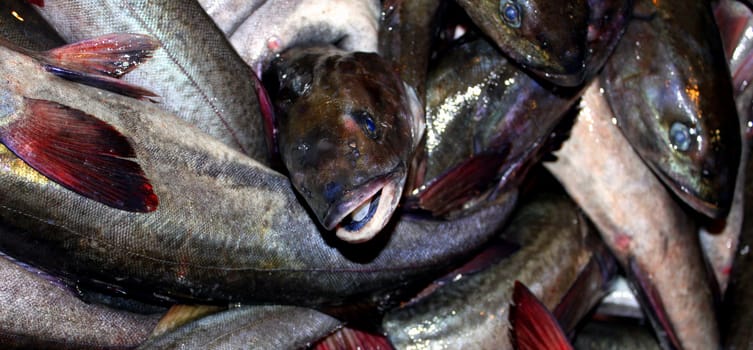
[[364, 215]]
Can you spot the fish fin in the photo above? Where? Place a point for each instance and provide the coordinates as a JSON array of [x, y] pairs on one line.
[[81, 153], [652, 304], [533, 326], [351, 338], [268, 116], [465, 181], [179, 315], [113, 55], [102, 82]]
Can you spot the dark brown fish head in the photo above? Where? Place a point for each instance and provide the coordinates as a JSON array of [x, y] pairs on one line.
[[347, 140], [549, 40]]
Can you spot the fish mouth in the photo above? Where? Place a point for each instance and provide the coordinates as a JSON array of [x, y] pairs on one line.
[[362, 216], [713, 206]]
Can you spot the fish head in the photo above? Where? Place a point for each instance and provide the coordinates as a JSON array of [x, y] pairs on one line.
[[347, 143], [548, 40], [691, 143]]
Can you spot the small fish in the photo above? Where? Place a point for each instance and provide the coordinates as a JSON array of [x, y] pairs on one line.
[[37, 311], [259, 30], [347, 130], [651, 236], [197, 73], [250, 327], [669, 87], [550, 41]]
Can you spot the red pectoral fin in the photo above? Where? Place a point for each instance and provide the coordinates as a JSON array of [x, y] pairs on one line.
[[81, 153], [533, 326], [113, 54], [351, 338], [102, 82]]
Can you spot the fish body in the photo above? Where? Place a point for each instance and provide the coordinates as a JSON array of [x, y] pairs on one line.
[[226, 229], [257, 327], [472, 311], [197, 74], [259, 30], [670, 90], [615, 336], [651, 236], [37, 313], [548, 40], [347, 129], [486, 121]]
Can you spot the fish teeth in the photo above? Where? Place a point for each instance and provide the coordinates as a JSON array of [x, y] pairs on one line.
[[361, 212]]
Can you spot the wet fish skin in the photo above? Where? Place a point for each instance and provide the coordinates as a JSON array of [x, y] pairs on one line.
[[599, 335], [227, 229], [610, 182], [670, 90], [257, 327], [28, 30], [348, 127], [261, 29], [472, 312], [548, 40], [197, 74], [37, 313]]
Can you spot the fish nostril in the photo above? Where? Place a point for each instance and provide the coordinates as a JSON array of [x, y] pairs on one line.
[[332, 191]]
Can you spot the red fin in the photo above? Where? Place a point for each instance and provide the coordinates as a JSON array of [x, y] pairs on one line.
[[102, 82], [268, 116], [113, 54], [81, 153], [651, 301], [351, 338], [533, 326], [463, 182]]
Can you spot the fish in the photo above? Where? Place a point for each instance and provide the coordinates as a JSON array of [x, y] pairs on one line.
[[347, 127], [549, 41], [616, 335], [556, 243], [352, 338], [670, 90], [23, 26], [486, 123], [227, 229], [258, 327], [652, 237], [40, 311], [197, 73], [259, 30], [533, 326]]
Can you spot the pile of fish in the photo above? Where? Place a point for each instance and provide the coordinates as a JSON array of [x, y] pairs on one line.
[[407, 174]]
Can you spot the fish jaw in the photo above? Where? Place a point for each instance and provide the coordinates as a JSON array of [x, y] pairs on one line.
[[360, 217]]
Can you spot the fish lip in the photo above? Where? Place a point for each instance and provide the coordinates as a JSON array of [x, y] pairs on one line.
[[710, 208], [388, 187]]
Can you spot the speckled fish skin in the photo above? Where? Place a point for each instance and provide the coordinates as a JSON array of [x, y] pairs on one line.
[[250, 327], [227, 228], [669, 87], [347, 130], [36, 313], [472, 313], [610, 182], [27, 28], [548, 40], [197, 74], [260, 29], [597, 335]]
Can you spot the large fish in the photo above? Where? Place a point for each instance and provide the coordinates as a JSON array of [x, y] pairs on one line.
[[347, 129], [22, 25], [197, 74], [557, 244], [39, 312], [670, 90], [486, 123], [225, 227], [261, 29], [652, 237], [551, 41], [250, 327]]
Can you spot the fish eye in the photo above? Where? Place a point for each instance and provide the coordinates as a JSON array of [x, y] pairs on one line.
[[367, 123], [510, 13], [679, 136]]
